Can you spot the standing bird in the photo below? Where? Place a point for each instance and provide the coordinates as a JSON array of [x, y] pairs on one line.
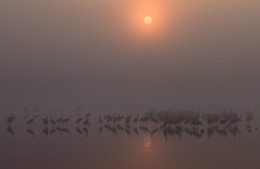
[[79, 120], [45, 121], [31, 120], [59, 119], [128, 119], [52, 121], [86, 122], [66, 120], [136, 119], [10, 119]]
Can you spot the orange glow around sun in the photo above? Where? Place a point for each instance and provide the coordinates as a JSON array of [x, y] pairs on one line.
[[147, 18]]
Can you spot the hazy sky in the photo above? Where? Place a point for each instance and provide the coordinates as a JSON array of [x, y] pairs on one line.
[[201, 54]]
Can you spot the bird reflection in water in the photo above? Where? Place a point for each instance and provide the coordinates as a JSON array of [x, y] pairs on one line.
[[147, 143], [10, 130]]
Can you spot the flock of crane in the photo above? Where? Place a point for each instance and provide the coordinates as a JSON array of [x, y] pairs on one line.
[[166, 123]]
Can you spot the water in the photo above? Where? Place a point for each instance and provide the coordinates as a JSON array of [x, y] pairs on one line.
[[117, 145]]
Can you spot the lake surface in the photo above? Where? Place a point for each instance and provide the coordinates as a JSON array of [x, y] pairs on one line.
[[112, 141]]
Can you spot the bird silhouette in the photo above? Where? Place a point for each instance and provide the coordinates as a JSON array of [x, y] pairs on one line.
[[136, 119], [249, 127], [249, 116], [53, 122], [10, 119], [66, 120], [235, 121], [196, 122], [171, 123], [45, 121], [223, 121], [30, 121], [128, 119], [234, 131], [59, 119], [78, 120]]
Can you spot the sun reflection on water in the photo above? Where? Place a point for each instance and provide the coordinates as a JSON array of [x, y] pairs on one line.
[[147, 143]]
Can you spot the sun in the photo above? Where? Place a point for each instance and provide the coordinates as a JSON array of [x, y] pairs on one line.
[[148, 20]]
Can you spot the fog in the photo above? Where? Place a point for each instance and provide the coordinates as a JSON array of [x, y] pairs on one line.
[[199, 54]]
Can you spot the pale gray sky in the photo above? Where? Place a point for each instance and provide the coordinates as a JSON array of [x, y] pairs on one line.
[[201, 54]]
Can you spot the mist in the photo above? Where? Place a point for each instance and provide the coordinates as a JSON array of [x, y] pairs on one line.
[[200, 54]]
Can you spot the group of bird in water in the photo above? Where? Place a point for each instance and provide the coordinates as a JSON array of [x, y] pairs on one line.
[[166, 123]]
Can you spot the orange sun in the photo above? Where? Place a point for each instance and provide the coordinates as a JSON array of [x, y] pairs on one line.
[[148, 20]]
